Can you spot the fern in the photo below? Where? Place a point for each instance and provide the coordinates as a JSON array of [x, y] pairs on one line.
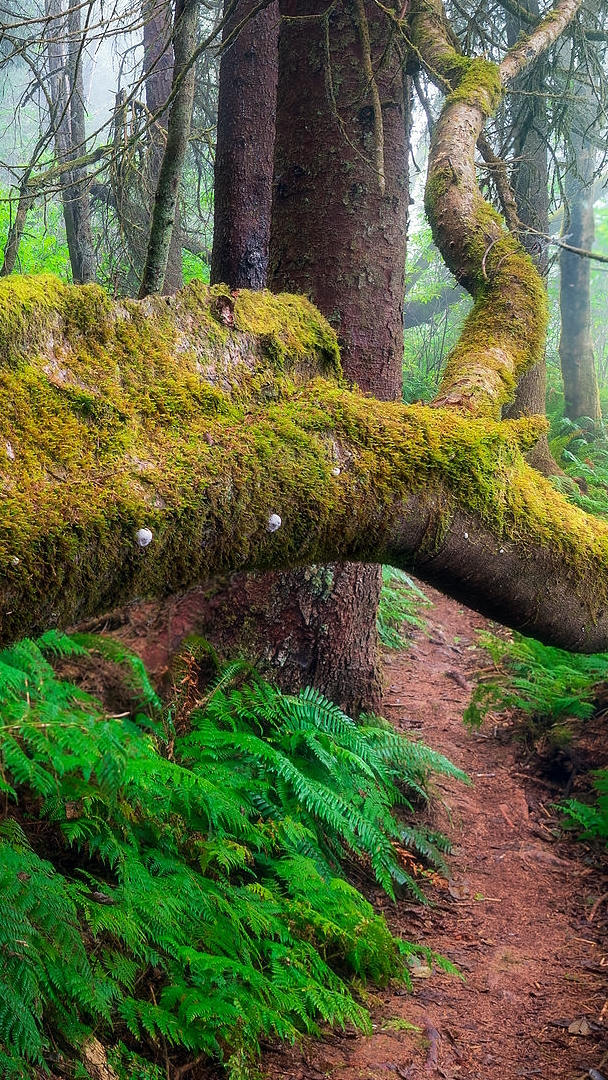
[[546, 684], [399, 607], [192, 894]]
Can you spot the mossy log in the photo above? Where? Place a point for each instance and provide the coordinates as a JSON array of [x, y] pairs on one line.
[[201, 416]]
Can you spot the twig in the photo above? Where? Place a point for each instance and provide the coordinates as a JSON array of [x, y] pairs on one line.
[[486, 253], [593, 912]]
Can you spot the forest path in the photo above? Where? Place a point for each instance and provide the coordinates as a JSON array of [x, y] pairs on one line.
[[514, 916]]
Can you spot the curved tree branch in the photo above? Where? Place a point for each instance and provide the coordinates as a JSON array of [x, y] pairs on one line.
[[200, 417], [505, 333]]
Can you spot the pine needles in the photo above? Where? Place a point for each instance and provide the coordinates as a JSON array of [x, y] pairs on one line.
[[178, 886]]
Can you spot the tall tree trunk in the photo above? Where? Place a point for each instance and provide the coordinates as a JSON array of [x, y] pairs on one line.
[[245, 148], [64, 50], [178, 134], [581, 394], [338, 236], [315, 626]]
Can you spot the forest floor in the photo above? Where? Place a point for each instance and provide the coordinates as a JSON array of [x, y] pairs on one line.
[[518, 916]]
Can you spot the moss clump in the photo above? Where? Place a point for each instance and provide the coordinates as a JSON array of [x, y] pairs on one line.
[[476, 82], [29, 307], [290, 328]]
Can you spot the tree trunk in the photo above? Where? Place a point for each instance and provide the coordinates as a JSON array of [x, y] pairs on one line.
[[149, 447], [315, 626], [340, 204], [529, 141], [64, 49], [581, 394], [178, 134], [245, 149], [158, 77]]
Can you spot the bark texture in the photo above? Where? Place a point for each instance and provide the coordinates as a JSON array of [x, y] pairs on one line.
[[118, 418], [245, 148], [64, 51], [336, 203], [178, 134], [577, 357]]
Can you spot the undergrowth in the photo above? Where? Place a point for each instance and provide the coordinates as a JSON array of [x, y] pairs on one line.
[[551, 691], [172, 878], [581, 449], [399, 608], [548, 686]]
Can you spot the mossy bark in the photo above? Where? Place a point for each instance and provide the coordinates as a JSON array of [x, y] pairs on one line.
[[159, 415], [504, 336]]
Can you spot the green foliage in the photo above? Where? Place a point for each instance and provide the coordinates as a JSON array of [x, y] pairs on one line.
[[430, 286], [194, 267], [581, 449], [172, 879], [547, 685], [590, 820], [398, 610], [43, 247]]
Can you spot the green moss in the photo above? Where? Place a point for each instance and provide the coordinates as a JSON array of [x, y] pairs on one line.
[[476, 82], [130, 435], [290, 327], [505, 332], [28, 308]]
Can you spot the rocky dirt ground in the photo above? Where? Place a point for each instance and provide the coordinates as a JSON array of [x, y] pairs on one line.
[[523, 915]]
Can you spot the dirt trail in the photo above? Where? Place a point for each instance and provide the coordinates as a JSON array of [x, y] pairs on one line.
[[514, 917]]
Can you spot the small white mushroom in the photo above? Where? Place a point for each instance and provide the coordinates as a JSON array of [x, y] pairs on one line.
[[143, 537], [274, 523], [335, 471]]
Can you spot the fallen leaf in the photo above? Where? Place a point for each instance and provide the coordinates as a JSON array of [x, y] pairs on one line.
[[459, 890], [579, 1027]]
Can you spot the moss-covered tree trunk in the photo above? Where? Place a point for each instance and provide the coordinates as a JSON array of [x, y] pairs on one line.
[[504, 335], [148, 447], [576, 353]]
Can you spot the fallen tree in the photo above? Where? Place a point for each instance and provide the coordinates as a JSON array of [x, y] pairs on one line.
[[221, 428]]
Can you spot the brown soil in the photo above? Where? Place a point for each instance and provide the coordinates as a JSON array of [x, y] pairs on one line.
[[518, 916]]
